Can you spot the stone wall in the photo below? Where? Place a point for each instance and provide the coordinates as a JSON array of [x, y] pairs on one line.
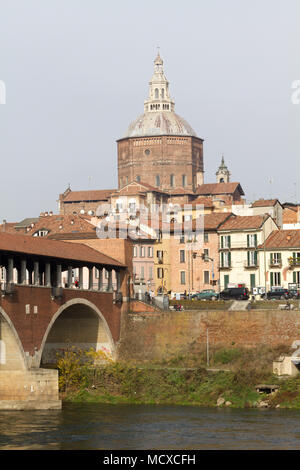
[[160, 336], [33, 389]]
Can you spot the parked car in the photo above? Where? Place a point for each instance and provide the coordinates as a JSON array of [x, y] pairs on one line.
[[237, 293], [276, 294], [294, 294], [206, 294]]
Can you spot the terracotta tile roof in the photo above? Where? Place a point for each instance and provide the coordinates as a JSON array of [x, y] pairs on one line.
[[136, 187], [41, 246], [264, 203], [180, 191], [206, 201], [8, 227], [93, 195], [215, 220], [62, 224], [283, 239], [240, 222], [219, 188]]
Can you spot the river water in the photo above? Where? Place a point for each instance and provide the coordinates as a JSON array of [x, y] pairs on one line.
[[127, 427]]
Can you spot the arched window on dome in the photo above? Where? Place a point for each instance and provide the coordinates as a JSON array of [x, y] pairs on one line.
[[162, 93], [156, 93]]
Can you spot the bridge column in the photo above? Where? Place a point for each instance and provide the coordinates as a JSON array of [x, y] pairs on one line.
[[109, 285], [118, 276], [36, 273], [48, 275], [58, 275], [70, 271], [100, 279], [81, 278], [23, 272], [90, 278], [10, 270]]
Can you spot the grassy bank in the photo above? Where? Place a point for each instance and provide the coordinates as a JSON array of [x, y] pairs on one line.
[[186, 381]]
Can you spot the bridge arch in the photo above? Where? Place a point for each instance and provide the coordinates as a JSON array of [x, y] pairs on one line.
[[12, 355], [77, 323]]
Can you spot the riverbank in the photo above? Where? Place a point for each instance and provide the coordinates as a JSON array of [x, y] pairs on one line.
[[229, 381]]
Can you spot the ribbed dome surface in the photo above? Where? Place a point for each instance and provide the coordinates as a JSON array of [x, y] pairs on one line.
[[159, 123]]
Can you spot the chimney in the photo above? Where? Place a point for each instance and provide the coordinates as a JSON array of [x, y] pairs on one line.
[[4, 225]]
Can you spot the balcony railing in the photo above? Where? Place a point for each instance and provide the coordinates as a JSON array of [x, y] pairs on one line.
[[294, 261], [275, 263]]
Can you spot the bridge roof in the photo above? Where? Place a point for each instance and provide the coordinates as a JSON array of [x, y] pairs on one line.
[[62, 250]]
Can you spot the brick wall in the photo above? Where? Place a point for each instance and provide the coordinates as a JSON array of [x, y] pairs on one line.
[[159, 336]]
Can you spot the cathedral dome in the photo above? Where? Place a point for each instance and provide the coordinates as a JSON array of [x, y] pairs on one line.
[[159, 117], [159, 123]]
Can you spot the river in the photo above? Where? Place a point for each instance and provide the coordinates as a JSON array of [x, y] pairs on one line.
[[137, 427]]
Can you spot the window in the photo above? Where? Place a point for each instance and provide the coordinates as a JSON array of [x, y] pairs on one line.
[[225, 259], [118, 206], [132, 207], [275, 259], [252, 280], [142, 272], [275, 279], [205, 237], [138, 178], [150, 272], [181, 239], [157, 180], [226, 281], [225, 241], [135, 251], [156, 93], [160, 273], [206, 277], [183, 180], [206, 254], [142, 251], [252, 258], [172, 181], [41, 233], [162, 93], [296, 277], [150, 251], [252, 240], [182, 277], [182, 256]]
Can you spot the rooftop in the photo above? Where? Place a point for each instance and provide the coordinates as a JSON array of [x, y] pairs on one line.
[[283, 239], [38, 246]]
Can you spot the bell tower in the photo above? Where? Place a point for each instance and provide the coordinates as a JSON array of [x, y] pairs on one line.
[[223, 175]]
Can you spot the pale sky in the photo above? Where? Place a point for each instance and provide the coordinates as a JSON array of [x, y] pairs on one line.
[[76, 74]]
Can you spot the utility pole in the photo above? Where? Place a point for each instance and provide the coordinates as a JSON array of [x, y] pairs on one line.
[[207, 348]]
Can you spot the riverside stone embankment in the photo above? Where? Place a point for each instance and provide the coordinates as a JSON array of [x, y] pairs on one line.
[[161, 336]]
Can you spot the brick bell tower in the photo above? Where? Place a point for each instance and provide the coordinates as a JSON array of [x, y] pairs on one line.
[[160, 148]]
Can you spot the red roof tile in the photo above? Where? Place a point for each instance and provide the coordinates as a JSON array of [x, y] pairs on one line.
[[41, 246]]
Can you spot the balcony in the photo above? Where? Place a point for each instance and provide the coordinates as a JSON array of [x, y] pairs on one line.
[[275, 263], [294, 262]]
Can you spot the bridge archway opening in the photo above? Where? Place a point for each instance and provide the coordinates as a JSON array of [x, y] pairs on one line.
[[77, 325], [11, 352]]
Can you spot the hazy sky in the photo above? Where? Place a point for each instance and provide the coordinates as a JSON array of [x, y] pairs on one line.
[[76, 74]]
